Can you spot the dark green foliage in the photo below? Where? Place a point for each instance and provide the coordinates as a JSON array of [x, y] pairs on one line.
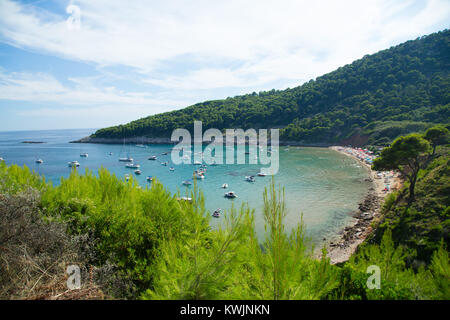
[[407, 155], [423, 223], [397, 91]]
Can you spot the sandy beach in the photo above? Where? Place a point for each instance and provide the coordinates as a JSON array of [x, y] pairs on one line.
[[369, 209]]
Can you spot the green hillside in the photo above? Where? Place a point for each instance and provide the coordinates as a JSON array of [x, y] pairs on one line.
[[371, 101]]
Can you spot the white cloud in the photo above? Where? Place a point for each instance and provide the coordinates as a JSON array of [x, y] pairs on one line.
[[195, 48], [40, 87]]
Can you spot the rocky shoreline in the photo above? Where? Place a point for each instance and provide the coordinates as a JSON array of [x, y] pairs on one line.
[[368, 211]]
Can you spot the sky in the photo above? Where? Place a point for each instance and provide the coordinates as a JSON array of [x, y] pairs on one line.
[[99, 63]]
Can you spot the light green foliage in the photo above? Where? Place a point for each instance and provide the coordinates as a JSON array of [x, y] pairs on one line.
[[167, 250]]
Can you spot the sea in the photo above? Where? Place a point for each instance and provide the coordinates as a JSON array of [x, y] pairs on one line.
[[321, 186]]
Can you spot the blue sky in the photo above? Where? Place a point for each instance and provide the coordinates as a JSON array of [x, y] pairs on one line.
[[97, 63]]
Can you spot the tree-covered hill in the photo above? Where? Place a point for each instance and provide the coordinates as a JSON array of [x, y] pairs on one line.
[[371, 101]]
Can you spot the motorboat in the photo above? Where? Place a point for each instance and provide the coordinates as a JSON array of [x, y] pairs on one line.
[[231, 195], [138, 172], [172, 169], [185, 199], [39, 161], [250, 179], [187, 182], [74, 164], [133, 166], [225, 186], [197, 163], [149, 178], [262, 174], [152, 158], [216, 214], [84, 155], [164, 164], [127, 159]]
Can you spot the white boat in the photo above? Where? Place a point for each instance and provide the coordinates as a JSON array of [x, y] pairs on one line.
[[172, 169], [140, 146], [230, 195], [152, 158], [149, 178], [1, 159], [197, 163], [216, 214], [133, 166], [164, 164], [225, 186], [250, 179], [187, 182], [74, 164], [262, 174], [138, 172], [127, 159], [39, 161], [84, 155]]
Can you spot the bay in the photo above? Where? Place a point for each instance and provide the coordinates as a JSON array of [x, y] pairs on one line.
[[321, 184]]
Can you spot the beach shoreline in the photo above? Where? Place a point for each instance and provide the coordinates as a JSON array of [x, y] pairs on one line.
[[369, 209]]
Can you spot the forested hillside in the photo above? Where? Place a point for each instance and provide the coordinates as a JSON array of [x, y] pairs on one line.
[[371, 101]]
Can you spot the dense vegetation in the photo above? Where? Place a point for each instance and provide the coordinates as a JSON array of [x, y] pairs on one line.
[[371, 101], [145, 243]]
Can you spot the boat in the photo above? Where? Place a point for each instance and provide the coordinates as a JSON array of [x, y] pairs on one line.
[[152, 158], [185, 199], [39, 161], [230, 195], [262, 174], [250, 179], [187, 182], [225, 186], [110, 153], [127, 177], [197, 163], [164, 163], [140, 146], [149, 178], [127, 159], [165, 153], [84, 155], [1, 159], [138, 172], [172, 169], [216, 214], [133, 166], [74, 164]]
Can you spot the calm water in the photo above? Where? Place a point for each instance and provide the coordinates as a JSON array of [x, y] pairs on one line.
[[320, 183]]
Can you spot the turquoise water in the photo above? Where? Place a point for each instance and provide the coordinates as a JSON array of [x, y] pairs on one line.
[[323, 185]]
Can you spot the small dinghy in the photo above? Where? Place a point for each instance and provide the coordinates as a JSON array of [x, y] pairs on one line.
[[230, 195], [250, 179], [74, 164], [216, 214], [187, 182]]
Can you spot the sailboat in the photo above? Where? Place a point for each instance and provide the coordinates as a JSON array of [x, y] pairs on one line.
[[128, 158]]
